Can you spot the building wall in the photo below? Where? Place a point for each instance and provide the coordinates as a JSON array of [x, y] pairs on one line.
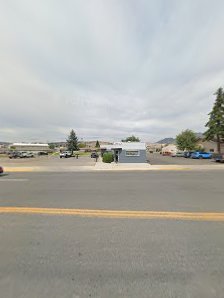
[[210, 146], [31, 148], [132, 159]]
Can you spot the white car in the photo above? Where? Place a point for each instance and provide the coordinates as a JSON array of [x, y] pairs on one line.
[[23, 154], [29, 154], [178, 154], [65, 154]]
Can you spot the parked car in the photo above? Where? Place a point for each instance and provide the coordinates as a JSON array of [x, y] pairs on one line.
[[166, 153], [178, 154], [23, 154], [1, 170], [94, 155], [219, 158], [29, 154], [42, 153], [187, 154], [14, 154], [65, 154], [201, 155]]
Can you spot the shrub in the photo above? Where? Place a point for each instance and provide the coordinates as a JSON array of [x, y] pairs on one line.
[[108, 157]]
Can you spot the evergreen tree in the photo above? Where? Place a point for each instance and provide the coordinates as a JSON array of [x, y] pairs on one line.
[[72, 141], [97, 144], [215, 124]]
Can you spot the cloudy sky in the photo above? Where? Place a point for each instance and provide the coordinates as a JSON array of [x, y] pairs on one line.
[[108, 68]]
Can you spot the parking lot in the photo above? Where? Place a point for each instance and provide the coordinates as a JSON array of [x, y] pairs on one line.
[[48, 161], [87, 161], [159, 159]]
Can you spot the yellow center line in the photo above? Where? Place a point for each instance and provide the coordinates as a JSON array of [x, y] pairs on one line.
[[204, 216]]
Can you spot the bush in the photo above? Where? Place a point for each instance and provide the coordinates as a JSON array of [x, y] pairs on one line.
[[108, 157]]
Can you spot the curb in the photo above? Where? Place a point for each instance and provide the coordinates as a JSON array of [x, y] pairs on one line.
[[109, 168]]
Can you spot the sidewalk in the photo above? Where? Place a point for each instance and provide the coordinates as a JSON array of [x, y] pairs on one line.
[[17, 169], [100, 166], [137, 167]]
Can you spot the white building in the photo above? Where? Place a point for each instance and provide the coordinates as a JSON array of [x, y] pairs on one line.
[[33, 147], [169, 149]]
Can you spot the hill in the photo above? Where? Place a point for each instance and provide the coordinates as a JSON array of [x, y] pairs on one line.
[[167, 141]]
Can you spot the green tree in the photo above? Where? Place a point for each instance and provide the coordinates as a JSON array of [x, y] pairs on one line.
[[131, 139], [72, 142], [215, 123], [52, 146], [82, 145], [97, 144], [186, 140]]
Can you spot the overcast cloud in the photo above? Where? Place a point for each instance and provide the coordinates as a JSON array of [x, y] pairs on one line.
[[108, 68]]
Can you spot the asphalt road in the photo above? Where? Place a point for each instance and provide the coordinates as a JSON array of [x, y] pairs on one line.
[[71, 256], [158, 159]]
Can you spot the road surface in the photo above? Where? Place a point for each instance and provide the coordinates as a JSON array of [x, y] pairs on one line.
[[73, 255]]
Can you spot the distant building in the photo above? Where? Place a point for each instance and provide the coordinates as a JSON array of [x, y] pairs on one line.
[[169, 149], [130, 152], [209, 146], [33, 147], [3, 148], [154, 147]]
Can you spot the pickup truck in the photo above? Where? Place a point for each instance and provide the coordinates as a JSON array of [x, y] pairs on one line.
[[65, 154]]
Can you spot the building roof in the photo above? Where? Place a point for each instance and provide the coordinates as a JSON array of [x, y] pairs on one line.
[[30, 144], [125, 146]]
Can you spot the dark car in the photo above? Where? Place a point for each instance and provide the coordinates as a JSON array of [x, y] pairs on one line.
[[220, 158], [42, 153], [14, 155], [188, 154], [1, 170], [94, 155]]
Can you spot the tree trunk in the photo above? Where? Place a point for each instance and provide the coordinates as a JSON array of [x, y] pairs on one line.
[[218, 144]]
